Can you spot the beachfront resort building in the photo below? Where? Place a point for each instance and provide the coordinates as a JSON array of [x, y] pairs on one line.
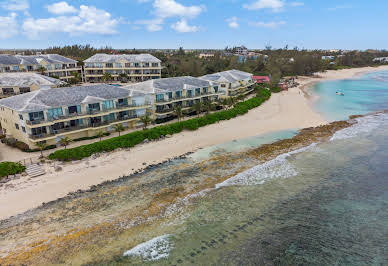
[[51, 65], [19, 83], [133, 67], [185, 92], [77, 112], [233, 82]]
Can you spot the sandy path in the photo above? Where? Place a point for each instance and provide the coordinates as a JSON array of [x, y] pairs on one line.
[[286, 110]]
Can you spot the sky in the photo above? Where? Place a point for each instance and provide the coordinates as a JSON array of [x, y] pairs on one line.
[[195, 24]]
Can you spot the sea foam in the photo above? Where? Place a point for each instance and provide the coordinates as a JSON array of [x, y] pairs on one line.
[[276, 168], [152, 250], [364, 125]]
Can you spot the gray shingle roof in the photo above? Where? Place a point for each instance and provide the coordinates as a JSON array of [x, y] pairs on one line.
[[26, 80], [169, 84], [45, 99], [130, 58], [228, 76], [34, 59]]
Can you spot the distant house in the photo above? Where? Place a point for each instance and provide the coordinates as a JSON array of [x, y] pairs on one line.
[[205, 55], [328, 57], [261, 79], [381, 60], [241, 50], [23, 82], [52, 65]]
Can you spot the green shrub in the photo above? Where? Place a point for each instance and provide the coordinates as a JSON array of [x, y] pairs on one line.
[[10, 168], [132, 139]]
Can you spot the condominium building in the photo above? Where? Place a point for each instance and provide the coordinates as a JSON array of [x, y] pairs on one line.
[[49, 115], [134, 67], [51, 65], [185, 92], [233, 82], [19, 83]]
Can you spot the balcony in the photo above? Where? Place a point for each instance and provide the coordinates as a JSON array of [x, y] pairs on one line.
[[41, 136], [162, 101]]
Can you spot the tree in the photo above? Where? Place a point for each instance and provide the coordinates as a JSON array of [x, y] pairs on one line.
[[106, 77], [76, 77], [42, 70], [123, 77], [65, 141], [100, 134], [146, 120], [178, 112], [41, 146], [119, 128], [231, 102], [207, 106], [198, 108]]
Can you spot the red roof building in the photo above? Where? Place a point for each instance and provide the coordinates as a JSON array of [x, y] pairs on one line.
[[261, 79]]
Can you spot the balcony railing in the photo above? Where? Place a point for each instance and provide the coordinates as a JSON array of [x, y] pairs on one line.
[[75, 115], [186, 97], [70, 129]]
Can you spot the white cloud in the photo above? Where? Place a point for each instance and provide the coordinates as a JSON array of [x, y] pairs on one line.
[[296, 4], [165, 9], [61, 8], [271, 24], [88, 20], [339, 7], [171, 8], [182, 26], [275, 5], [8, 26], [15, 5], [233, 23], [151, 24]]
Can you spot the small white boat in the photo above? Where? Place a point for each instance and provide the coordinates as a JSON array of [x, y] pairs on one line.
[[340, 93]]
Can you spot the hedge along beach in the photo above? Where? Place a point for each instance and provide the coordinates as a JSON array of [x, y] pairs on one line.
[[285, 110]]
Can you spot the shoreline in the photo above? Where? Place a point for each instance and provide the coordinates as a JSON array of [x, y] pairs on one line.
[[33, 248], [286, 110]]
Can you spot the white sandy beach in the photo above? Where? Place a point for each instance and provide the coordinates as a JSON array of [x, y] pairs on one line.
[[285, 110]]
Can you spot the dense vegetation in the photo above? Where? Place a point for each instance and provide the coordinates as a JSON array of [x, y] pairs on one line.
[[10, 168], [134, 138], [274, 62]]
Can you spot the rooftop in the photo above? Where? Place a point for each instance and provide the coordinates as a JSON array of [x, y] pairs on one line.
[[130, 58], [228, 76], [169, 84], [67, 96], [34, 59], [26, 80]]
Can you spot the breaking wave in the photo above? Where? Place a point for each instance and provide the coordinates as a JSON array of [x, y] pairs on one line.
[[276, 168], [152, 250], [364, 124]]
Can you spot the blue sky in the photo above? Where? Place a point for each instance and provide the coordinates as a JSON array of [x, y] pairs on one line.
[[323, 24]]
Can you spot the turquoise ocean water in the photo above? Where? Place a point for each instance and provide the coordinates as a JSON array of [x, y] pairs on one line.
[[326, 204], [363, 94]]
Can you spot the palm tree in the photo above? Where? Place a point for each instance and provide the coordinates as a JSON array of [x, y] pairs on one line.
[[100, 134], [41, 146], [198, 108], [76, 77], [106, 77], [65, 141], [123, 77], [42, 70], [119, 128], [207, 106], [178, 112], [146, 120], [224, 102], [231, 102]]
